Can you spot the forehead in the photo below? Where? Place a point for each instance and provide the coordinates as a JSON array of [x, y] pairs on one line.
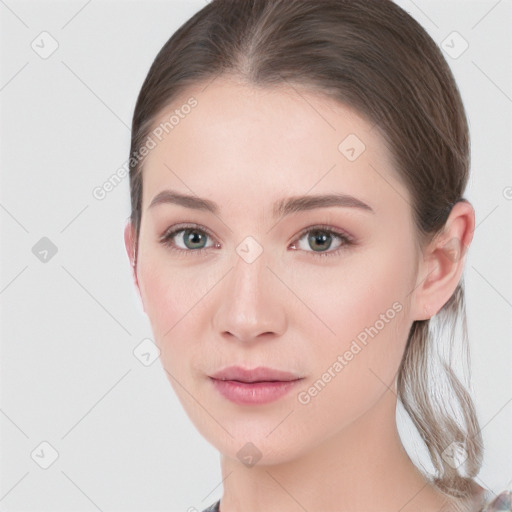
[[266, 143]]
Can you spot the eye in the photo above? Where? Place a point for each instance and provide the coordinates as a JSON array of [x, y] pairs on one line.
[[319, 238], [188, 239]]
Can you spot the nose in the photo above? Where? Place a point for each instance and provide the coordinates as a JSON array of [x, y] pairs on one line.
[[251, 303]]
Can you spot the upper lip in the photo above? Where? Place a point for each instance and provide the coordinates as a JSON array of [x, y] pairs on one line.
[[259, 374]]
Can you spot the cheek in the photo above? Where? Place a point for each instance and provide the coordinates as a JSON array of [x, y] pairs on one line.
[[177, 299], [161, 297], [172, 297], [352, 370], [345, 298], [360, 313]]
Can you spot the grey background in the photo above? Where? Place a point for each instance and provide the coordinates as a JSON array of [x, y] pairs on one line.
[[70, 325]]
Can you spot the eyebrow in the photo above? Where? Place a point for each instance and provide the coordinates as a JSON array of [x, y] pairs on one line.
[[281, 207]]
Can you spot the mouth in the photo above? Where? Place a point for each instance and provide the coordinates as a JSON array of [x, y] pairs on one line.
[[253, 393], [252, 387], [254, 381], [259, 374]]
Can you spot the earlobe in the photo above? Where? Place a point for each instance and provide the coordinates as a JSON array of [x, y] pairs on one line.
[[443, 261]]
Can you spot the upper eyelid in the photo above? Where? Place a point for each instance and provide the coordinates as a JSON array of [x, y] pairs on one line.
[[177, 229], [319, 227]]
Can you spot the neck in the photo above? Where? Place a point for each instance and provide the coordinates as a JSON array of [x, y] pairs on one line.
[[363, 467]]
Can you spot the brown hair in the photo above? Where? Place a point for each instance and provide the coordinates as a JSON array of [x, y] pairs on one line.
[[374, 57]]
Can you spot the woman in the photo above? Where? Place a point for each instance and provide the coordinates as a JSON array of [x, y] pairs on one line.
[[297, 178]]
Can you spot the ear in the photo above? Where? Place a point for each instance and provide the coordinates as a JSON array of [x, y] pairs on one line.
[[130, 245], [443, 262]]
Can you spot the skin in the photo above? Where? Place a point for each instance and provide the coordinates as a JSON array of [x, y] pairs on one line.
[[245, 147]]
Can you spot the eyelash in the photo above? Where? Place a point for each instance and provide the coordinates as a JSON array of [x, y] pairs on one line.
[[166, 239]]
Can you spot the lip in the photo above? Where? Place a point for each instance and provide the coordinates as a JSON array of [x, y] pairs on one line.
[[259, 374], [253, 393], [251, 387]]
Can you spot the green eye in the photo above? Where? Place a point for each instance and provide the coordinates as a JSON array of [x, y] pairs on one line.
[[192, 240], [186, 239], [320, 239]]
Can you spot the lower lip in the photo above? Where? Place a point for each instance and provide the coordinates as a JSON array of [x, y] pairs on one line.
[[247, 393]]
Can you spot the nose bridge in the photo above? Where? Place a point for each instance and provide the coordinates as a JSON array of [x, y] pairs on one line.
[[249, 305]]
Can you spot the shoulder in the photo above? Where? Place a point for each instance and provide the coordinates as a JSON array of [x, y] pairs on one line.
[[500, 503], [214, 507]]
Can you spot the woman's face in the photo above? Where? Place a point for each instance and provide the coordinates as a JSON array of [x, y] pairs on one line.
[[253, 285]]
